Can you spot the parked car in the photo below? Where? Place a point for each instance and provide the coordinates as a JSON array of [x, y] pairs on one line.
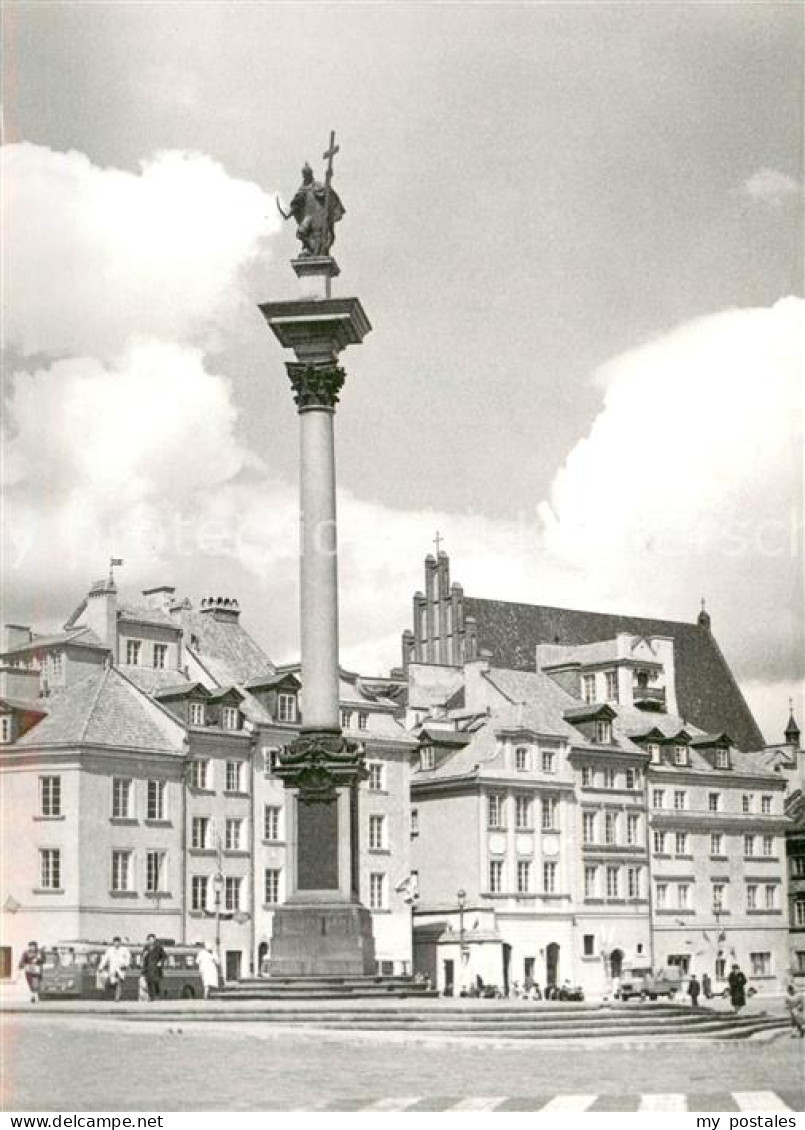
[[71, 972], [647, 985], [565, 992]]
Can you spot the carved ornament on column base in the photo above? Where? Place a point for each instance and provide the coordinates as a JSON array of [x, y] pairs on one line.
[[319, 762], [315, 386]]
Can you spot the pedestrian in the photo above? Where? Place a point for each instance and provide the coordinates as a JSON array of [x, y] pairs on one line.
[[707, 986], [31, 964], [115, 963], [795, 1003], [207, 964], [737, 987], [694, 988], [154, 958]]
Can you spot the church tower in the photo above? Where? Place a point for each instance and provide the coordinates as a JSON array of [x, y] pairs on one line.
[[442, 633]]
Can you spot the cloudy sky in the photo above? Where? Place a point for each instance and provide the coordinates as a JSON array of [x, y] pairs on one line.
[[576, 229]]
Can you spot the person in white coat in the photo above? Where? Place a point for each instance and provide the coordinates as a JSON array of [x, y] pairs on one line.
[[114, 963], [208, 967]]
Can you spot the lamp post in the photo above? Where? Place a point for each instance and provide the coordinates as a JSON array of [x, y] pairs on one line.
[[218, 886], [462, 955]]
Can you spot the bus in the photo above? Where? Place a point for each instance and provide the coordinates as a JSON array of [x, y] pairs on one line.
[[71, 972]]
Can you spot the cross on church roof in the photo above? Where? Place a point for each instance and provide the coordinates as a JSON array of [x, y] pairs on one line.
[[437, 541]]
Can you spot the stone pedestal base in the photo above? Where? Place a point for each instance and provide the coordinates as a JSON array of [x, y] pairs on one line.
[[322, 940]]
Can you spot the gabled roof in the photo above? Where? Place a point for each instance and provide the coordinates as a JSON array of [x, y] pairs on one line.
[[142, 614], [107, 709], [270, 682], [433, 735], [707, 693], [182, 690], [588, 711], [712, 739], [77, 637]]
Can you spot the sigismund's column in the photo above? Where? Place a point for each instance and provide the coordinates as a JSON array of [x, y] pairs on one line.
[[321, 928]]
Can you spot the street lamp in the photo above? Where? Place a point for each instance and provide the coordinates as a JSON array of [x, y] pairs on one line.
[[462, 951], [218, 886]]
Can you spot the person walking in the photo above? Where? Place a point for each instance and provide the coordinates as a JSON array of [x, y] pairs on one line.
[[154, 958], [694, 988], [707, 987], [207, 964], [114, 963], [737, 987], [31, 964], [795, 1003]]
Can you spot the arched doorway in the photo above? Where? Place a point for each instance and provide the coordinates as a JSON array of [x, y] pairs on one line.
[[616, 964], [552, 965], [262, 958]]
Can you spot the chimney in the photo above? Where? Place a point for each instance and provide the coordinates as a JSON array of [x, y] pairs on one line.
[[101, 614], [15, 634], [160, 597], [477, 690], [224, 609]]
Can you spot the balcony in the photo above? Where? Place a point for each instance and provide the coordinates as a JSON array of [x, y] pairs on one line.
[[649, 698]]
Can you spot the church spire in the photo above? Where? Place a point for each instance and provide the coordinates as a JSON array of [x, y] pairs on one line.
[[703, 619], [792, 729]]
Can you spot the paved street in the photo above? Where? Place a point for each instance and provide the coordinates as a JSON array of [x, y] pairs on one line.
[[95, 1064]]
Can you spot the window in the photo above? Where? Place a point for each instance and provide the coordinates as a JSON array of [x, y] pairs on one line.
[[722, 759], [633, 882], [230, 718], [761, 964], [661, 896], [155, 808], [613, 882], [233, 834], [658, 798], [653, 749], [680, 755], [588, 827], [160, 654], [121, 870], [377, 832], [6, 728], [346, 719], [232, 890], [610, 779], [749, 845], [271, 759], [770, 896], [631, 779], [765, 805], [768, 845], [610, 828], [588, 688], [121, 798], [427, 757], [523, 876], [496, 876], [199, 774], [719, 896], [714, 802], [495, 810], [751, 896], [798, 868], [721, 968], [550, 813], [363, 720], [588, 943], [632, 828], [200, 838], [521, 759], [660, 843], [746, 802], [548, 761], [50, 796], [586, 777], [377, 891], [603, 731], [414, 822], [234, 776], [681, 961], [50, 869], [799, 913], [680, 799], [271, 886], [133, 648], [683, 896], [376, 776], [681, 843], [590, 882], [155, 871], [286, 707], [612, 685], [522, 812], [716, 843], [197, 714], [549, 869], [198, 892], [271, 822]]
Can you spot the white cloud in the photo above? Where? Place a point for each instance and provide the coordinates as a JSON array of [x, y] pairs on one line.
[[771, 186], [93, 256]]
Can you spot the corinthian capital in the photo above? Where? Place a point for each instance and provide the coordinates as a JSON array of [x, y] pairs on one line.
[[315, 386]]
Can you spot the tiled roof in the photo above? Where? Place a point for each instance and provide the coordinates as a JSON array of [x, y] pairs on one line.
[[154, 680], [224, 648], [142, 614], [707, 693], [24, 706], [80, 637], [106, 709]]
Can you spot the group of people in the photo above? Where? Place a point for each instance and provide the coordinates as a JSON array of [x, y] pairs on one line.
[[736, 984]]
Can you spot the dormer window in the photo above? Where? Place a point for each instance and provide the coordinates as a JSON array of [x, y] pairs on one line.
[[588, 688], [653, 749], [133, 649], [286, 707], [230, 718], [521, 759], [196, 713], [603, 731], [680, 755], [160, 654], [427, 757], [722, 758]]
